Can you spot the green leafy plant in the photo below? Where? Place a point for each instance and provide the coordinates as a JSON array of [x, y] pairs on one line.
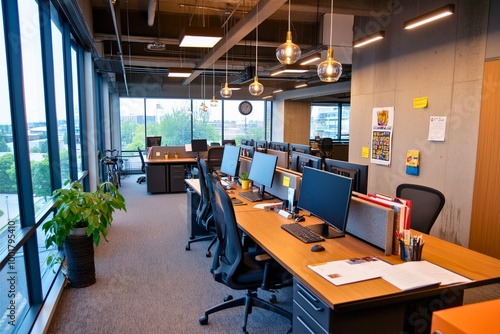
[[76, 208], [244, 176]]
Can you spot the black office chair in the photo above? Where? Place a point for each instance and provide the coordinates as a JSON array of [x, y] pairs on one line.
[[141, 178], [326, 148], [426, 204], [214, 157], [204, 212], [240, 269]]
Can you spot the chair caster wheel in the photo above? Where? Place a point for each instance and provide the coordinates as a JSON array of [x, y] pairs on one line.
[[208, 254], [203, 320], [228, 298], [188, 247], [273, 299]]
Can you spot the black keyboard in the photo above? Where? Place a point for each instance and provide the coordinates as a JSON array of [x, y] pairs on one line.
[[302, 233], [250, 196]]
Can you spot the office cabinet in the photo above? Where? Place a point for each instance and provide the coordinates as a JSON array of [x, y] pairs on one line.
[[176, 178], [156, 178], [193, 200]]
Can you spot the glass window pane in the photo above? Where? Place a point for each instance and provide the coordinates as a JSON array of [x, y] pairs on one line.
[[14, 299], [207, 124], [62, 129], [346, 114], [237, 126], [76, 109], [170, 119], [132, 123], [35, 104], [9, 202]]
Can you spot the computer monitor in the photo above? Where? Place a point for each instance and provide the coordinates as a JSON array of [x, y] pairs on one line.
[[247, 151], [153, 141], [357, 172], [247, 141], [328, 197], [199, 145], [278, 146], [260, 145], [262, 171], [230, 159], [300, 160], [300, 148]]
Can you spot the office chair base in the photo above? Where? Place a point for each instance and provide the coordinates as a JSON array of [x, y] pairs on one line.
[[207, 237], [250, 300]]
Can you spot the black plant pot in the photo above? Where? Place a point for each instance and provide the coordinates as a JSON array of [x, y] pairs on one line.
[[79, 250]]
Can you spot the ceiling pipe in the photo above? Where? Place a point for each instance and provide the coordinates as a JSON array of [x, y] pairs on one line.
[[120, 53], [151, 12]]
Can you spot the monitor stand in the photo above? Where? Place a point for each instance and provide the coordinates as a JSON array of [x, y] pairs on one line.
[[325, 230], [263, 195]]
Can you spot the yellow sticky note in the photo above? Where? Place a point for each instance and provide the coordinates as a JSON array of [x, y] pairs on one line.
[[365, 152], [286, 181], [420, 102]]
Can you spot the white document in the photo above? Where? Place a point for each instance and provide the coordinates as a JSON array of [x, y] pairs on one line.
[[437, 128], [349, 271], [418, 274]]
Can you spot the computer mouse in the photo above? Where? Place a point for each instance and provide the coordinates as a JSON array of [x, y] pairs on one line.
[[300, 219], [317, 248]]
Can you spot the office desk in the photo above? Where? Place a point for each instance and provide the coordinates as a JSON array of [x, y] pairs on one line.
[[166, 175], [373, 306]]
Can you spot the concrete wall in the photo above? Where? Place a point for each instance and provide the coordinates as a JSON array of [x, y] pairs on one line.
[[443, 61]]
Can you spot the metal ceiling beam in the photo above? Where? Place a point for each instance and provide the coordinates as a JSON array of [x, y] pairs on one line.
[[237, 33]]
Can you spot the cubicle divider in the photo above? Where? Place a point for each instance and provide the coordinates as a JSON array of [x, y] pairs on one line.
[[158, 152], [372, 223]]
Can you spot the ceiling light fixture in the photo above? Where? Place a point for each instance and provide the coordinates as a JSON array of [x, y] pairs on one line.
[[430, 16], [267, 97], [290, 69], [213, 102], [276, 91], [310, 59], [369, 39], [301, 85], [256, 88], [179, 72], [330, 70], [288, 52], [199, 37], [226, 92], [203, 106]]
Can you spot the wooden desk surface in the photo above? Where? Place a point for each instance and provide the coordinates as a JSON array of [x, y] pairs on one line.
[[171, 160], [265, 228]]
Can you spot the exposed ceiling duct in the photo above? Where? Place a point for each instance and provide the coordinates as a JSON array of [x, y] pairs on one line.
[[151, 12]]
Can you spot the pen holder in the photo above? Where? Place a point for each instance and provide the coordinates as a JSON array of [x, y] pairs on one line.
[[410, 252]]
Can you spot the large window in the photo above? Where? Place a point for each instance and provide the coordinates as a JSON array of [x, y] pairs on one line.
[[179, 121], [330, 121]]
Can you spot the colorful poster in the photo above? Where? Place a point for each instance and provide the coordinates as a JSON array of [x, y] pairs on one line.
[[382, 126]]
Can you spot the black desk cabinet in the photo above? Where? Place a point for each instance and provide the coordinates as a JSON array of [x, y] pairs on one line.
[[156, 178]]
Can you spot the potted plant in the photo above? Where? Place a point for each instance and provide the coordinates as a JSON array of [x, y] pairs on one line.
[[80, 220], [245, 182]]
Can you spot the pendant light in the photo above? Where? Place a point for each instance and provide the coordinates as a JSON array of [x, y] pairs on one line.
[[330, 70], [256, 88], [203, 106], [188, 110], [225, 92], [213, 102], [288, 53]]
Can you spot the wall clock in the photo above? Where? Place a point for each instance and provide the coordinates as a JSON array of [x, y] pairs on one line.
[[245, 108]]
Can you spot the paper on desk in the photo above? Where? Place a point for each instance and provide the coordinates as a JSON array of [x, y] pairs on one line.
[[264, 205], [418, 274], [350, 271]]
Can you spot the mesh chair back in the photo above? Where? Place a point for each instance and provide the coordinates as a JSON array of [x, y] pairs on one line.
[[204, 211], [143, 166], [426, 205], [214, 157]]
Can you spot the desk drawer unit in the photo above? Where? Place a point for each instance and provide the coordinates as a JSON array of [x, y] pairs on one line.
[[177, 178], [310, 314]]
